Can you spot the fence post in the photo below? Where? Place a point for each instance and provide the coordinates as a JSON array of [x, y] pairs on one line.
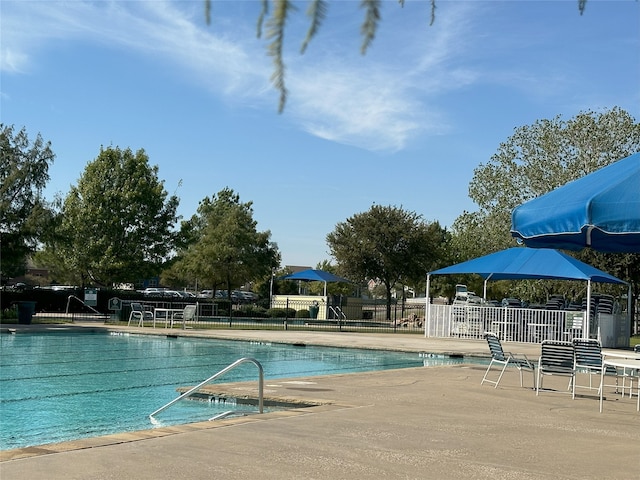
[[286, 314]]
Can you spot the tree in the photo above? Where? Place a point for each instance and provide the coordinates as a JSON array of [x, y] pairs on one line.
[[24, 172], [317, 12], [116, 225], [533, 161], [223, 246], [389, 244]]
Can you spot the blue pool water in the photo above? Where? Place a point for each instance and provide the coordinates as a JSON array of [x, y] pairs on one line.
[[58, 387]]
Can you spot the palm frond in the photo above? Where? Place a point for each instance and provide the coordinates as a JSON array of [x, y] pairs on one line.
[[263, 13], [317, 11], [207, 11], [275, 32], [371, 19], [581, 5], [433, 12]]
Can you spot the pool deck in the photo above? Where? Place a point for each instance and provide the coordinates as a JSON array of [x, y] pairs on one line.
[[415, 423]]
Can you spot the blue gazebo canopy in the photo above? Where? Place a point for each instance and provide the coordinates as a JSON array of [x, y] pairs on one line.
[[312, 275], [521, 263]]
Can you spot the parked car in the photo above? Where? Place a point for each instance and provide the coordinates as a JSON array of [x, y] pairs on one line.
[[153, 291], [511, 303]]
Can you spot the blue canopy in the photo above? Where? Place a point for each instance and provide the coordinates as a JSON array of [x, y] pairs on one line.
[[529, 263], [600, 210], [312, 275]]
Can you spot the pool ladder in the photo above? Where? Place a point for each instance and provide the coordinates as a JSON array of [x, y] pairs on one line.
[[193, 390]]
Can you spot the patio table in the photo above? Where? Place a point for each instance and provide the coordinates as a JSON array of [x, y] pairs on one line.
[[617, 362], [169, 315]]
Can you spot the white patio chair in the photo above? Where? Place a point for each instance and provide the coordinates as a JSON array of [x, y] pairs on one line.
[[188, 314], [138, 312]]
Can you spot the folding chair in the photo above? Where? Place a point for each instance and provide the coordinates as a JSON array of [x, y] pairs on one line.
[[556, 358], [499, 356]]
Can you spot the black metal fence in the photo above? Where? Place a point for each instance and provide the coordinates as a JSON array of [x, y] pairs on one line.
[[291, 315]]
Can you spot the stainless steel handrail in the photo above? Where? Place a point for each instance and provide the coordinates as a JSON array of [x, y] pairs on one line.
[[337, 311], [191, 391]]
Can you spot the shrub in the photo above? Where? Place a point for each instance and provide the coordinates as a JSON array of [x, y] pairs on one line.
[[281, 312], [250, 311], [9, 314], [303, 314]]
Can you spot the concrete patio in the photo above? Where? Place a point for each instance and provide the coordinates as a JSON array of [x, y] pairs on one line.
[[412, 423]]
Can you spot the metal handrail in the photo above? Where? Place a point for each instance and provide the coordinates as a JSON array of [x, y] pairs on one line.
[[191, 391], [337, 311], [81, 301]]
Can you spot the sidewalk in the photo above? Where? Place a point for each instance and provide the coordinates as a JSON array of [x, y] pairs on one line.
[[412, 423]]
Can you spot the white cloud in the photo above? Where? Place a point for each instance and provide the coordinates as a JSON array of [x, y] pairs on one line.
[[379, 103]]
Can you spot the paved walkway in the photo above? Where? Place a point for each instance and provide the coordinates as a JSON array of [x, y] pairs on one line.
[[412, 423]]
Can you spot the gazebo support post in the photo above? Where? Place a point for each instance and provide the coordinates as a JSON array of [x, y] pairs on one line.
[[427, 322]]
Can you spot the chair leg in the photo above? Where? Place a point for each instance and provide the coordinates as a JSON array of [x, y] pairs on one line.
[[486, 373], [538, 383], [501, 373]]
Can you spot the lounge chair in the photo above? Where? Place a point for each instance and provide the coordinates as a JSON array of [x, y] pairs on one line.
[[556, 358], [138, 312], [499, 356], [588, 357]]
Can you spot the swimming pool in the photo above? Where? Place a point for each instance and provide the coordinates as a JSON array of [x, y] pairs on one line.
[[64, 386]]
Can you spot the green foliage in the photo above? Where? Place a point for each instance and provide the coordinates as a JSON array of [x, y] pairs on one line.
[[536, 159], [389, 244], [24, 172], [281, 312], [533, 161], [9, 314], [115, 224], [222, 246], [251, 311], [303, 314]]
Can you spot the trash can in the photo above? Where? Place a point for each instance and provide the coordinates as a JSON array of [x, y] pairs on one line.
[[313, 311], [25, 312]]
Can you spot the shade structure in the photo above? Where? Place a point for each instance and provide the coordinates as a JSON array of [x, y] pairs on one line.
[[521, 263], [312, 275], [529, 263], [600, 210]]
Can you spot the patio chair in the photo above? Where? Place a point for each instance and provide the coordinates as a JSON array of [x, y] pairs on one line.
[[188, 314], [588, 358], [556, 358], [138, 312], [499, 356]]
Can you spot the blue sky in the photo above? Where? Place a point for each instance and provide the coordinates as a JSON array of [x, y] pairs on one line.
[[403, 125]]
